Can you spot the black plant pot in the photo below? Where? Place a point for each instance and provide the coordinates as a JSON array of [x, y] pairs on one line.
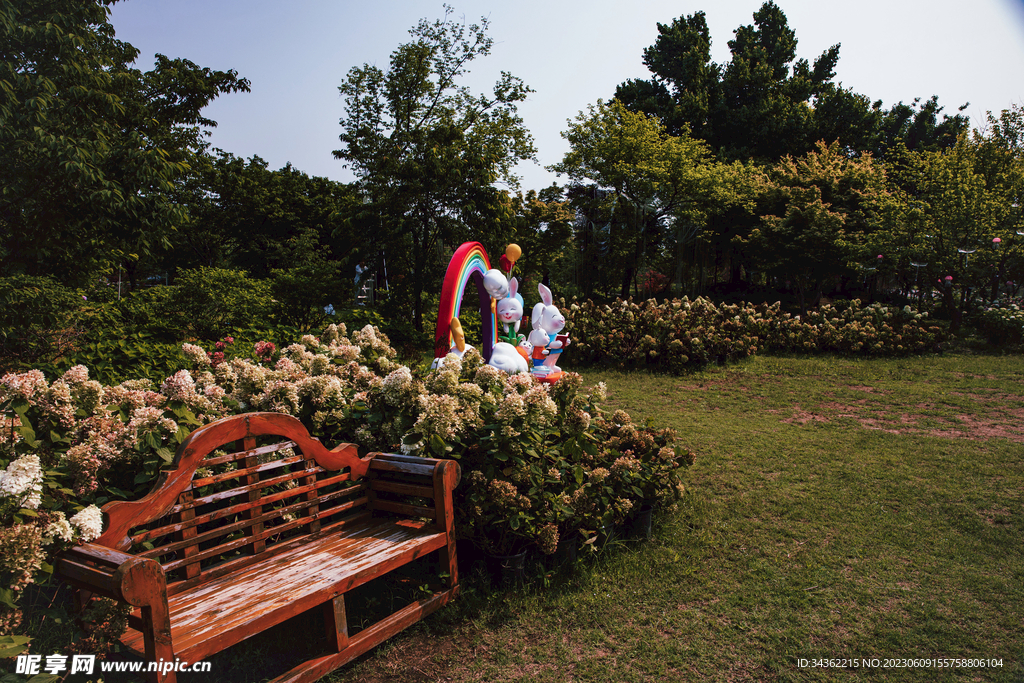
[[640, 522], [509, 570]]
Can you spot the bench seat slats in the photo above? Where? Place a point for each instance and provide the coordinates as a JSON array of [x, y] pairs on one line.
[[274, 589], [227, 566]]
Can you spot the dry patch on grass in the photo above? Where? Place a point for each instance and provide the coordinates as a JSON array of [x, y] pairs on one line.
[[999, 415]]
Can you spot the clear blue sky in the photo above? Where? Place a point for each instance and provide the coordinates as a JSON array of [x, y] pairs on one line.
[[571, 52]]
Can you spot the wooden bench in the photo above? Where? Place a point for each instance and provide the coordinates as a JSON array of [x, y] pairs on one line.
[[233, 541]]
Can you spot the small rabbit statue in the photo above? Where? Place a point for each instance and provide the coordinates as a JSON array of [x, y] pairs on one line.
[[506, 358], [547, 343], [510, 312]]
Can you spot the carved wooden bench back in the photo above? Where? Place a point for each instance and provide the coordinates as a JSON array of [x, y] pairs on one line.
[[239, 490]]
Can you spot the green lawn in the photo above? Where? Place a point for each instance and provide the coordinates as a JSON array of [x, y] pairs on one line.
[[838, 510]]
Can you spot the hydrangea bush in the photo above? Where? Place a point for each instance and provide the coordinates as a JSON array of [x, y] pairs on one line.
[[682, 334], [1002, 322], [539, 464]]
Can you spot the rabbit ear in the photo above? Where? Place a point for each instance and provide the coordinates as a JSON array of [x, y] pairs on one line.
[[513, 287], [538, 313], [545, 294]]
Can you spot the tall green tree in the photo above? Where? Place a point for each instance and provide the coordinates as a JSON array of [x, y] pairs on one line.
[[764, 103], [656, 179], [955, 203], [754, 106], [90, 148], [427, 153], [243, 214], [827, 206], [544, 223]]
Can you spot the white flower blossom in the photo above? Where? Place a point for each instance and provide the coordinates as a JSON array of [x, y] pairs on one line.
[[60, 528], [23, 481], [89, 523]]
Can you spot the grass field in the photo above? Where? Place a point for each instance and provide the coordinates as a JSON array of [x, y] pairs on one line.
[[839, 509]]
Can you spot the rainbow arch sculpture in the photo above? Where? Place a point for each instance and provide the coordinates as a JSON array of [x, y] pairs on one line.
[[469, 263]]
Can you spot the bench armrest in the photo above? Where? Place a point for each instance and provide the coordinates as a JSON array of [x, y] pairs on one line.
[[412, 464], [443, 473], [136, 580]]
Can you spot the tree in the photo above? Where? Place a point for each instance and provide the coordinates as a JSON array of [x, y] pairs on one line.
[[655, 178], [955, 203], [765, 103], [90, 148], [242, 214], [828, 203], [427, 153], [544, 222], [755, 106]]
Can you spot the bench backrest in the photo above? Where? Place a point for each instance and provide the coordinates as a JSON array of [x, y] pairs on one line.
[[240, 489]]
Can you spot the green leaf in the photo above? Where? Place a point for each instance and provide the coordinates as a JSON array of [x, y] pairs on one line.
[[28, 434], [7, 598], [11, 646], [165, 454]]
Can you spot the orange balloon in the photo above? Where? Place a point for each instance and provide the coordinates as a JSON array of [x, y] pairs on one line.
[[513, 252]]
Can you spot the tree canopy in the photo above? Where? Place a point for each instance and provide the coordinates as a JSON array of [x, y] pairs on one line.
[[90, 148], [427, 152], [765, 103]]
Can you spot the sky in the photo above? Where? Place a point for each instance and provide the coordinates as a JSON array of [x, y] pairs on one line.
[[570, 52]]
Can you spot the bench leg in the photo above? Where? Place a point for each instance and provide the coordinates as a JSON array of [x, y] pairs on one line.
[[156, 629], [449, 562], [367, 639], [336, 623]]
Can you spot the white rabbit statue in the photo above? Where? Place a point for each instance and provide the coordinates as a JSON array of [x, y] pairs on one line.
[[510, 312], [506, 358], [547, 343]]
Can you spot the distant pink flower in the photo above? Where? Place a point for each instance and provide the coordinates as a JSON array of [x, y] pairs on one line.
[[219, 346], [85, 298], [264, 349], [879, 256], [996, 240], [229, 340]]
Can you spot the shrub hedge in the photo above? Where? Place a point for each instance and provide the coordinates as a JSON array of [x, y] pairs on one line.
[[680, 334]]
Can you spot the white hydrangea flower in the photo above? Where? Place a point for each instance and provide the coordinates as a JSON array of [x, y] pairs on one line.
[[60, 528], [23, 481], [196, 355], [76, 375], [89, 523]]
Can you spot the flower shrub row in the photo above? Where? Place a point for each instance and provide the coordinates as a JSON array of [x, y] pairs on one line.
[[539, 464], [1002, 322], [681, 334]]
